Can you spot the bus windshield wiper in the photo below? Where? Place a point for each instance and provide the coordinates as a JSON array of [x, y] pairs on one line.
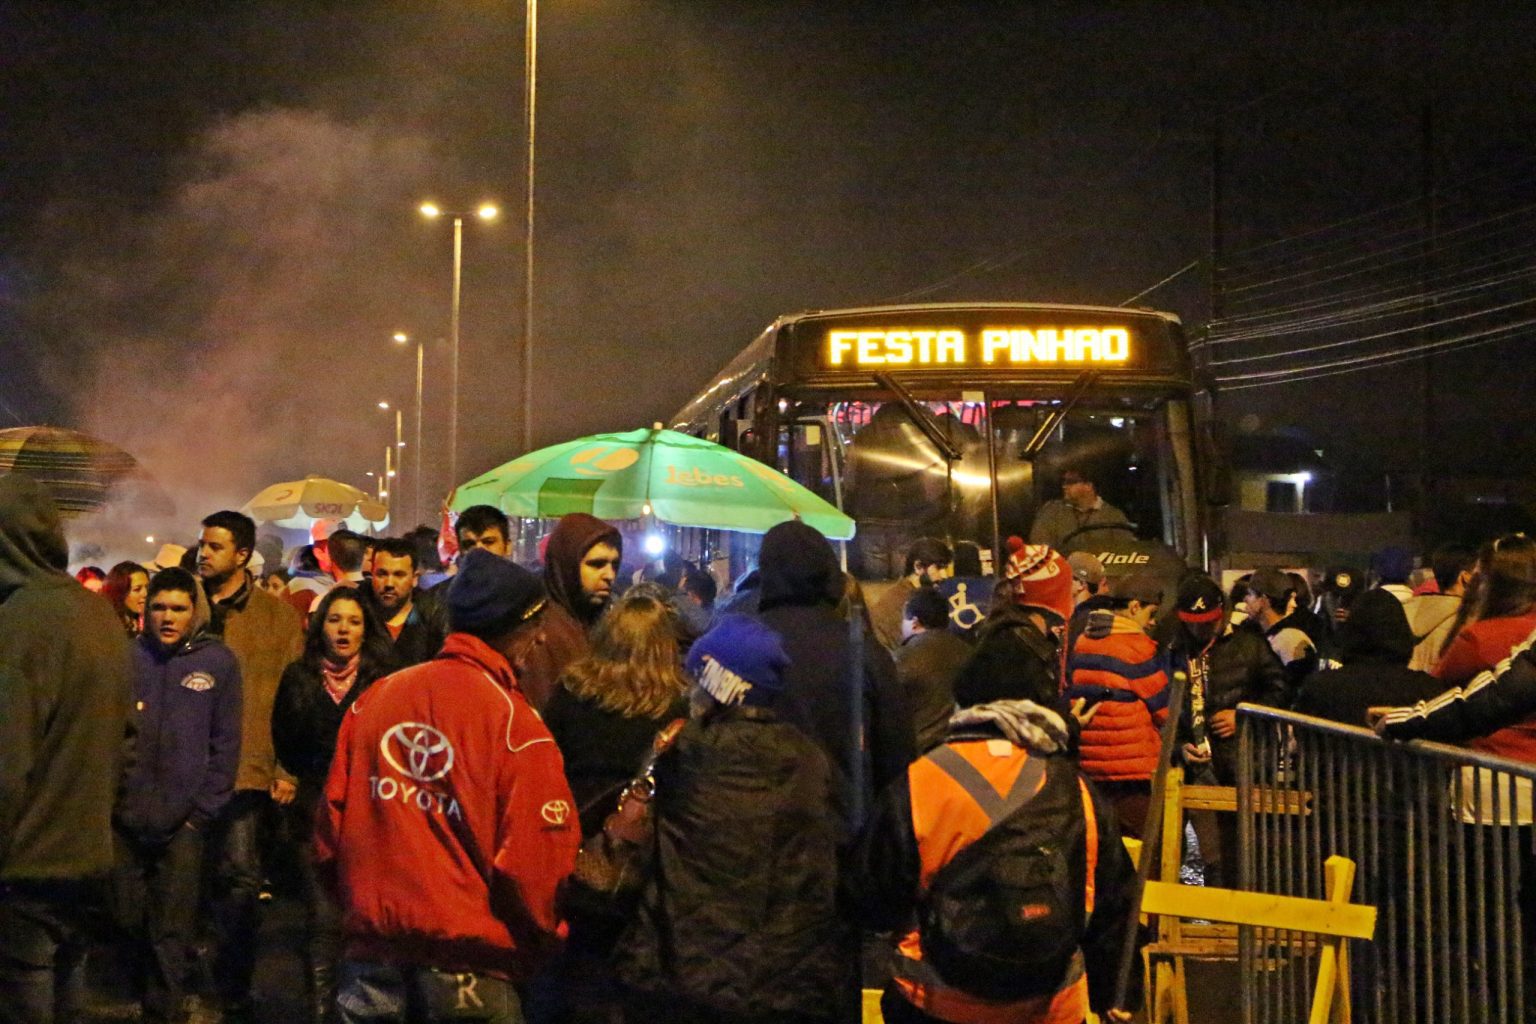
[[1079, 389], [926, 421]]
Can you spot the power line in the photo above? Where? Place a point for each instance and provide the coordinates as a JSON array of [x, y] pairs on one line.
[[1191, 265], [1420, 351], [1457, 189], [1415, 328], [1443, 276], [1417, 252]]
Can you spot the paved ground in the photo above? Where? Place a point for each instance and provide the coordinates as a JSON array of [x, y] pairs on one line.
[[1213, 988], [279, 974]]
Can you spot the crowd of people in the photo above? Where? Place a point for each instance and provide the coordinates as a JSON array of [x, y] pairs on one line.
[[569, 793]]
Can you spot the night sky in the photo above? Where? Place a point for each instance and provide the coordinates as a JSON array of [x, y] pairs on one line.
[[207, 226]]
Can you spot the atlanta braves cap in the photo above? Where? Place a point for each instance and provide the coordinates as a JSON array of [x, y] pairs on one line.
[[1200, 600]]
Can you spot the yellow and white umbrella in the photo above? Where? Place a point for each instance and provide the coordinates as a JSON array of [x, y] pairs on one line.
[[299, 504]]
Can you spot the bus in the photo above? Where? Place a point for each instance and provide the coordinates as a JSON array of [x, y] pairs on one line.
[[958, 421]]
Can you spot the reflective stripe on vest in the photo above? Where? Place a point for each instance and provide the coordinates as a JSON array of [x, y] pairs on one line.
[[918, 982]]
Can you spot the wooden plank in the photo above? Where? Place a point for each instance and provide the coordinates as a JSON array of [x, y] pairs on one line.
[[1263, 910], [1327, 994], [1266, 800]]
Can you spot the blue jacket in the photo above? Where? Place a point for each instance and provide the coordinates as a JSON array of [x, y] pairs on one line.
[[185, 737]]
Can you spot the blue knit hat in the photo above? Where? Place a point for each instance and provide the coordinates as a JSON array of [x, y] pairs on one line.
[[490, 595], [739, 661]]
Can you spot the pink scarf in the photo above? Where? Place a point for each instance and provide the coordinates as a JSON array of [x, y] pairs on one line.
[[339, 676]]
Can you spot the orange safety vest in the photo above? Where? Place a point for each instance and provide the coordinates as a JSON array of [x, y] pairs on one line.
[[960, 790]]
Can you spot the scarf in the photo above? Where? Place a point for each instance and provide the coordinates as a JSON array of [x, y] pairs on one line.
[[338, 677], [1022, 722]]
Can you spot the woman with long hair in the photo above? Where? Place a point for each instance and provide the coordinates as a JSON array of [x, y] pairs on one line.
[[1498, 611], [127, 587], [346, 648], [611, 703], [604, 714]]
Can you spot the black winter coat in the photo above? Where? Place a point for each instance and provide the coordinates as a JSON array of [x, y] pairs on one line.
[[424, 631], [1344, 694], [818, 699], [740, 912], [305, 721], [602, 750], [1240, 668]]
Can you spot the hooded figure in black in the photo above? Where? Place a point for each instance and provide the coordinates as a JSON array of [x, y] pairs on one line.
[[1374, 644], [802, 585], [65, 681]]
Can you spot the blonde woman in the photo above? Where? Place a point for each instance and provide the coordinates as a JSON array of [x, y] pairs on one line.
[[610, 703], [604, 714]]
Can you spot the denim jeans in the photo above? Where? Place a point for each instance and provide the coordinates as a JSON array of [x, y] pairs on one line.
[[155, 888], [42, 953], [379, 993]]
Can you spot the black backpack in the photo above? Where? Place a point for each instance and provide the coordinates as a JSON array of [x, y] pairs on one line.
[[1004, 918]]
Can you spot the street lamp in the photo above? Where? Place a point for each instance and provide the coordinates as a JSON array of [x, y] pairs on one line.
[[394, 460], [530, 102], [401, 338], [485, 212]]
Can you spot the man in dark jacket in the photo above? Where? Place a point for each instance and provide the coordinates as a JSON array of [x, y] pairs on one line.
[[65, 680], [738, 922], [417, 620], [179, 777], [928, 662], [1224, 669], [1374, 644], [848, 701], [265, 634]]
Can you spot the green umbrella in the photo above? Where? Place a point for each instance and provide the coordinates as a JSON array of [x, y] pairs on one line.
[[660, 473]]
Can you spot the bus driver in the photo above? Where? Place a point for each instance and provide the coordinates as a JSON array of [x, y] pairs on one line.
[[1078, 506]]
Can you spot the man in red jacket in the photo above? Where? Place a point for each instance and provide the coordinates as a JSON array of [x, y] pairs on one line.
[[448, 824]]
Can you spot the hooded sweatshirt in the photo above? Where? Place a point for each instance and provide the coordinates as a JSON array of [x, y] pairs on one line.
[[64, 685], [1431, 617], [187, 725], [1374, 644], [568, 616], [801, 587]]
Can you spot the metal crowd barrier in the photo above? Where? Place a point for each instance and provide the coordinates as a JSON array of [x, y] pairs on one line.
[[1443, 841]]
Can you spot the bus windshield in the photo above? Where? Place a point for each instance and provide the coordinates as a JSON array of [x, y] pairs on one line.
[[874, 460]]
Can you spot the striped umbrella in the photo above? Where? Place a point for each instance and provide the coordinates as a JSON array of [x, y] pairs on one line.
[[79, 469]]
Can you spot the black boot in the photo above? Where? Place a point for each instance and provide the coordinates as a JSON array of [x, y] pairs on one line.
[[322, 995]]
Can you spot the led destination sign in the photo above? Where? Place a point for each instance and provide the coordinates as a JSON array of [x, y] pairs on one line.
[[998, 347]]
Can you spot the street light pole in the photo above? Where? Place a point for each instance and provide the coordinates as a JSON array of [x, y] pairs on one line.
[[531, 63], [453, 355], [418, 467], [486, 212]]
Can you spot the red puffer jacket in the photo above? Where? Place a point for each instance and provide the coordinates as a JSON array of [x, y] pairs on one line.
[[1117, 666]]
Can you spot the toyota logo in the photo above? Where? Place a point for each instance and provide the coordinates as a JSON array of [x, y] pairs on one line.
[[417, 751]]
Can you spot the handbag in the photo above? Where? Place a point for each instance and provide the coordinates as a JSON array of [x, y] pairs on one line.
[[615, 860]]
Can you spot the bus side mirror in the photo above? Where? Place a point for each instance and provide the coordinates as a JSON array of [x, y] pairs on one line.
[[1216, 454]]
